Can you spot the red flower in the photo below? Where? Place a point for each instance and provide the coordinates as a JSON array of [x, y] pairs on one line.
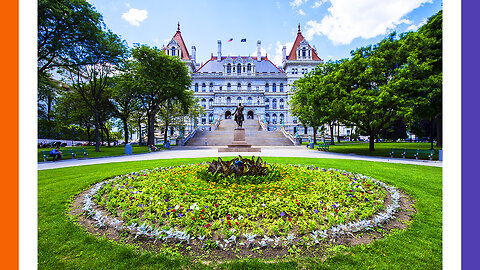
[[216, 205], [298, 203], [289, 219], [193, 218], [336, 211], [203, 210], [236, 222], [201, 216], [173, 210]]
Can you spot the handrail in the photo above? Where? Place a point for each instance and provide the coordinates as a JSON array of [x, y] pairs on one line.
[[262, 124], [190, 135], [217, 123], [288, 135]]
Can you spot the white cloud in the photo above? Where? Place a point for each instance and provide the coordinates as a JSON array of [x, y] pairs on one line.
[[277, 57], [135, 16], [415, 27], [300, 12], [318, 3], [348, 19], [297, 3]]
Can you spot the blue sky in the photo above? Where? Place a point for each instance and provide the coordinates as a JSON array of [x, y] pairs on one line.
[[334, 27]]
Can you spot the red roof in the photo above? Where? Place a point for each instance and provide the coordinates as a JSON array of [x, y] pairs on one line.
[[178, 38], [296, 44]]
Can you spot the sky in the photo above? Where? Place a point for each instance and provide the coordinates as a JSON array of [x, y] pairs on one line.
[[334, 27]]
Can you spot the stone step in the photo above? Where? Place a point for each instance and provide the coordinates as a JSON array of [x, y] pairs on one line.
[[254, 135]]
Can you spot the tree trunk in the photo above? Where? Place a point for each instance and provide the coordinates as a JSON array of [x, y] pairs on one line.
[[151, 127], [125, 129], [338, 132], [107, 132], [165, 134], [140, 139], [314, 135], [332, 138], [372, 142], [97, 129], [439, 131], [431, 133]]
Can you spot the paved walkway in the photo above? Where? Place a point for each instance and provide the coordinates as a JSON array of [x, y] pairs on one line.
[[211, 151]]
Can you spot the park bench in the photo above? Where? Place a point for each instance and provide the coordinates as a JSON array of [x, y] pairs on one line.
[[65, 152], [427, 153], [412, 152], [323, 147], [397, 151]]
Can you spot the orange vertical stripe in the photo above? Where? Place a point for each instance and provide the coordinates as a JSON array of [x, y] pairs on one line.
[[9, 135]]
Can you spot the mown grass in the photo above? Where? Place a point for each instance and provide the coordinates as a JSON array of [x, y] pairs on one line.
[[382, 149], [105, 151], [64, 245]]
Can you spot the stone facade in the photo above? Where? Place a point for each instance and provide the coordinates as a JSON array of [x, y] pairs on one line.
[[263, 88]]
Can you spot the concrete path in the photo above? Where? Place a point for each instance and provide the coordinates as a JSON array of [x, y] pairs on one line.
[[211, 151]]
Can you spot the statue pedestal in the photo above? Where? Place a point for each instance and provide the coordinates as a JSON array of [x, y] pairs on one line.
[[239, 144]]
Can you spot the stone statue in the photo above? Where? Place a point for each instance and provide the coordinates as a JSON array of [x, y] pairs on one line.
[[239, 115]]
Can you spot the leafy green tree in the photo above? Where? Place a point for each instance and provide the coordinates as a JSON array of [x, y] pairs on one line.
[[314, 100], [171, 113], [161, 78], [63, 25], [90, 74], [124, 98], [368, 96], [421, 76]]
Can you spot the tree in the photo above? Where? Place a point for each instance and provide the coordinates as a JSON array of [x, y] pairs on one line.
[[171, 112], [90, 73], [421, 76], [161, 78], [314, 101], [368, 96], [124, 98], [63, 25]]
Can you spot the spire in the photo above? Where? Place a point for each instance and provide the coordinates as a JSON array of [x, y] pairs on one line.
[[299, 29], [178, 27]]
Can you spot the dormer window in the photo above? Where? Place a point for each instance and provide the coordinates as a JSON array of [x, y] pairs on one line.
[[173, 51]]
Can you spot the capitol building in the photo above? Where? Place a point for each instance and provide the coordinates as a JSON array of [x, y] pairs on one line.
[[222, 82]]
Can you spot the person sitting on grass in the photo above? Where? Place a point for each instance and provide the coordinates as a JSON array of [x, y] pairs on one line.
[[56, 154]]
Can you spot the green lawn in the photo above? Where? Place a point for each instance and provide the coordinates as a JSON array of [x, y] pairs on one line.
[[382, 149], [104, 151], [65, 245]]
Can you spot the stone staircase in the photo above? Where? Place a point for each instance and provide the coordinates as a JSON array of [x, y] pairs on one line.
[[254, 135]]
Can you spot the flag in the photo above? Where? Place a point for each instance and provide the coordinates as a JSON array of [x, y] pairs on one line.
[[243, 40], [230, 40]]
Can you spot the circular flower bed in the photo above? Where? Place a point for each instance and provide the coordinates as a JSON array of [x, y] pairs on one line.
[[302, 203]]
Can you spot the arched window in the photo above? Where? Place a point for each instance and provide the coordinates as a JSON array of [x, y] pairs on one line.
[[267, 103], [274, 87], [203, 103], [282, 117], [239, 69], [210, 103], [249, 100], [210, 118], [274, 118], [173, 51], [281, 103], [274, 104], [294, 120], [196, 87], [239, 87], [229, 100], [229, 68], [281, 87], [211, 87], [249, 68], [266, 87], [204, 87], [304, 52], [229, 86], [249, 86], [267, 117], [239, 99]]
